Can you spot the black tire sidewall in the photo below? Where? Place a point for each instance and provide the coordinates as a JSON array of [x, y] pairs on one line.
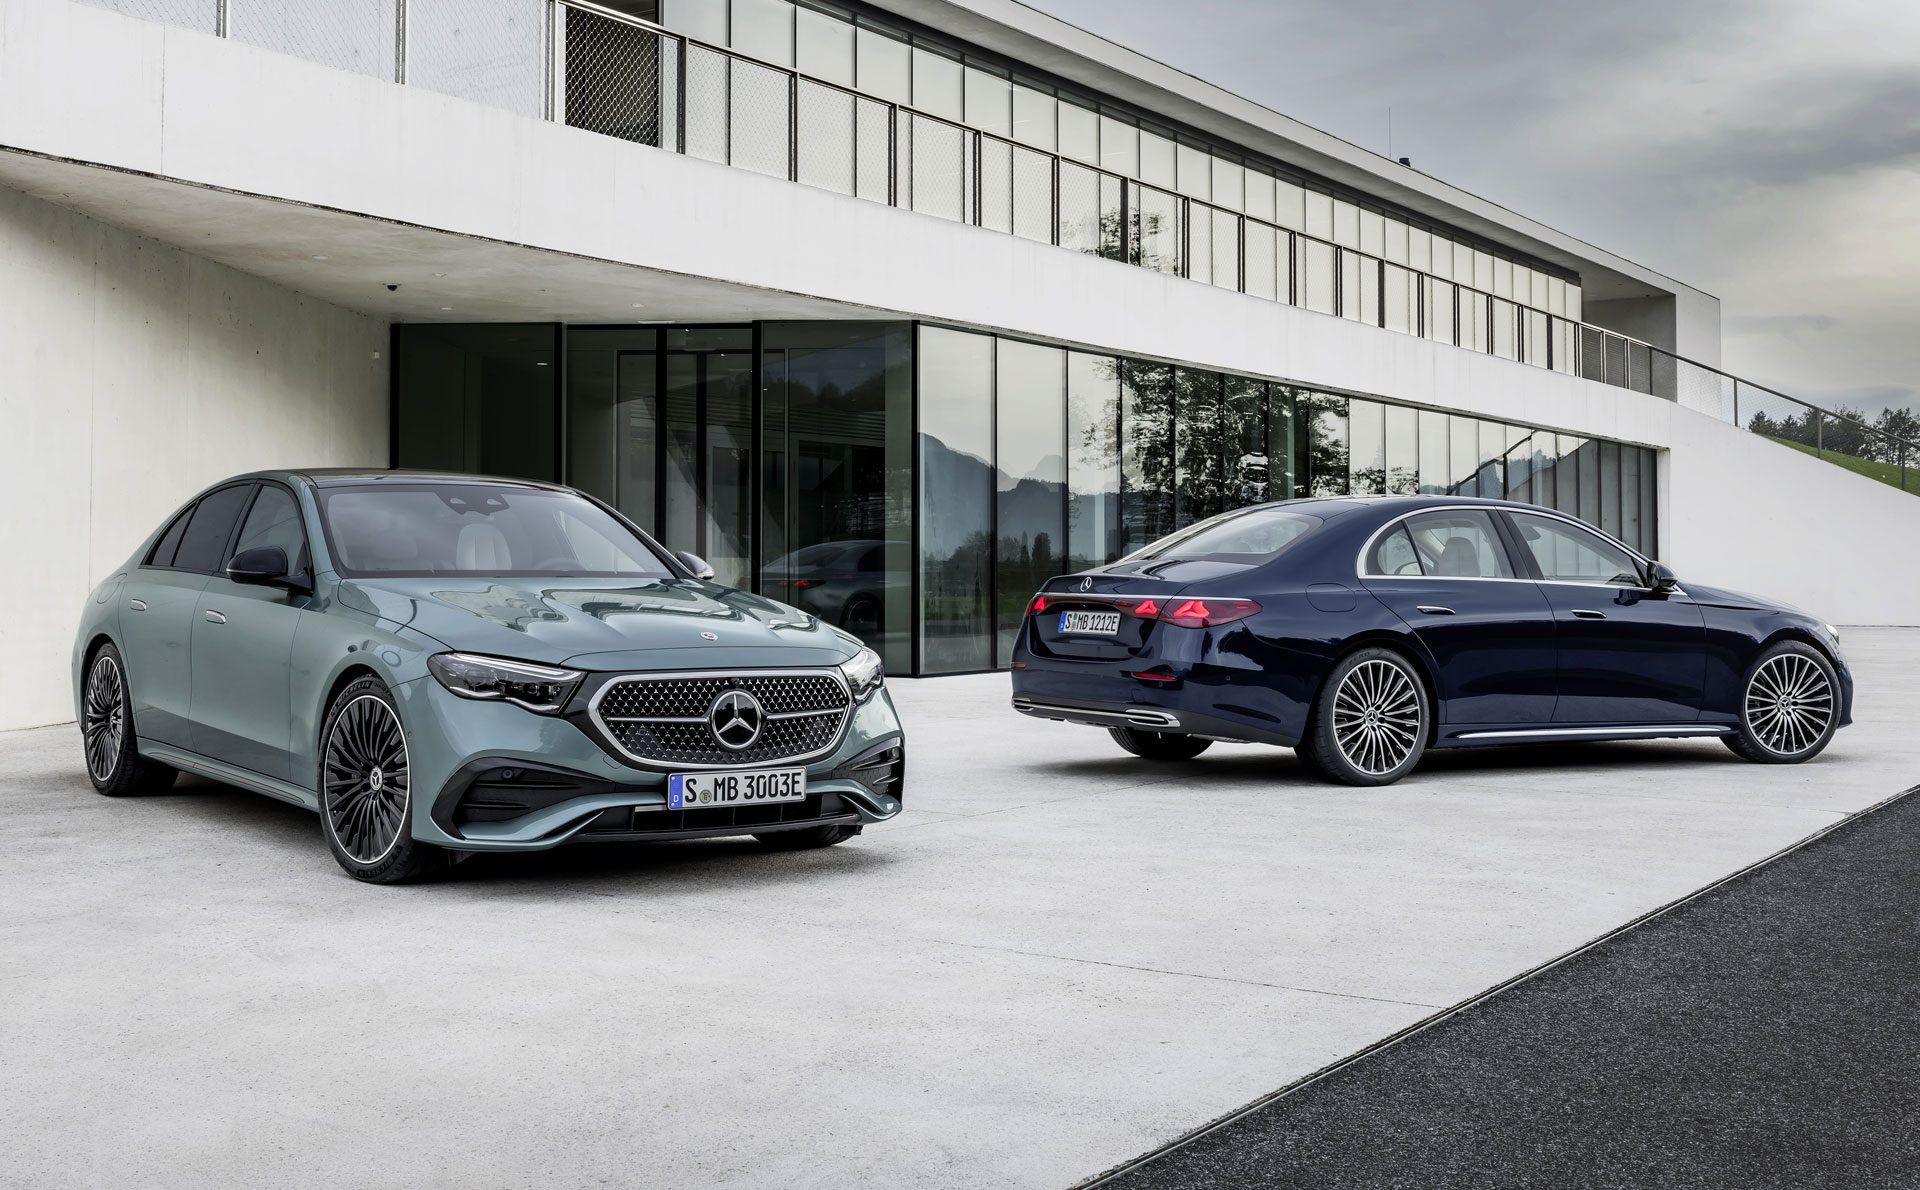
[[1750, 747], [131, 773], [1323, 752]]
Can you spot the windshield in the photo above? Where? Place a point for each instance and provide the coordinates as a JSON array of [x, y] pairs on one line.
[[1249, 536], [479, 529]]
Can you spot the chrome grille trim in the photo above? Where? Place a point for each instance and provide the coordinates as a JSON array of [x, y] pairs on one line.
[[712, 755]]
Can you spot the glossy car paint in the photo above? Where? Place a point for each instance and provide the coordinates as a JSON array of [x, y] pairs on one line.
[[1512, 661], [242, 698]]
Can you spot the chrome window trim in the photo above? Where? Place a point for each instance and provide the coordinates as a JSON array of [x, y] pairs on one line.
[[1361, 573], [673, 766]]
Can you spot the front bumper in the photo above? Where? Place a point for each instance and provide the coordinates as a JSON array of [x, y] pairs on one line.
[[565, 787]]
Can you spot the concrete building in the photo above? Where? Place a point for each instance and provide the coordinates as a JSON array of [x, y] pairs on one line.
[[888, 311]]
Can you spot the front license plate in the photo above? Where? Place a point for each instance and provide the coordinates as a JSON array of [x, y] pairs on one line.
[[695, 791], [1090, 623]]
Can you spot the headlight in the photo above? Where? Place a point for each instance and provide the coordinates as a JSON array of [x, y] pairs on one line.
[[863, 673], [540, 688]]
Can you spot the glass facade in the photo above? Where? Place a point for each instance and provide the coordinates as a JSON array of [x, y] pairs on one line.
[[914, 484]]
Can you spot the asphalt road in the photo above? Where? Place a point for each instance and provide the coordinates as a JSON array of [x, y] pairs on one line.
[[1763, 1034]]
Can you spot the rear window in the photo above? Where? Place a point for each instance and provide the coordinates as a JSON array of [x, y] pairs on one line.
[[1248, 536]]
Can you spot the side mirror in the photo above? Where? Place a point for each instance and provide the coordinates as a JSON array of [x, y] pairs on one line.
[[264, 566], [695, 563], [1660, 577]]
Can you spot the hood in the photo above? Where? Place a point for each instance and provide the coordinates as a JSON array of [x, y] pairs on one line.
[[598, 624], [1721, 597]]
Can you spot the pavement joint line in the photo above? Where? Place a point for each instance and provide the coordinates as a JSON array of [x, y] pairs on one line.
[[1255, 983], [1108, 1176]]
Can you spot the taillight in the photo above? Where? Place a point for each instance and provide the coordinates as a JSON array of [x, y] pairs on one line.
[[1206, 613], [1037, 605]]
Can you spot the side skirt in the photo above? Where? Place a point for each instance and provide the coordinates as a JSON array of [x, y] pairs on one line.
[[216, 770], [1470, 737]]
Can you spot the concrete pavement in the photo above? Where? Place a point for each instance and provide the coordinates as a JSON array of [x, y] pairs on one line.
[[1059, 957]]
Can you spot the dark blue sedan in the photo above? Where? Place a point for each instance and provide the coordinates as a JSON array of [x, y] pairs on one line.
[[1362, 632]]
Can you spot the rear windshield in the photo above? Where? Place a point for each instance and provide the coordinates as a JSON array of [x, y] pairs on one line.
[[1249, 536], [481, 530]]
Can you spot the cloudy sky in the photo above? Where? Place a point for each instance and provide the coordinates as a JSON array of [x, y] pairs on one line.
[[1767, 151]]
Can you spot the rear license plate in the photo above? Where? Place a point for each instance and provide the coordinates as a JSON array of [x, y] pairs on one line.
[[1090, 623], [693, 791]]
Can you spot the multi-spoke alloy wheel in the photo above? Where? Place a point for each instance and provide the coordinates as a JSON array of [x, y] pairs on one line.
[[103, 717], [1790, 709], [1370, 727], [366, 789], [114, 763], [365, 775]]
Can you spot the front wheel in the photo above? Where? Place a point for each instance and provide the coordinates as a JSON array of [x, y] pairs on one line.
[[366, 791], [1157, 745], [1370, 724], [1790, 708]]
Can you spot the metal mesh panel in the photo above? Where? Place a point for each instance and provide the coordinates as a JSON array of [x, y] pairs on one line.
[[1438, 317], [490, 51], [873, 150], [1226, 250], [938, 171], [1353, 290], [1473, 320], [1663, 381], [762, 123], [1700, 389], [361, 36], [1263, 278], [613, 81], [1400, 299], [203, 15], [1593, 354], [1505, 344], [1533, 337], [996, 184], [824, 137], [1200, 242], [1032, 195], [1159, 229], [1080, 214], [1616, 361], [1639, 366], [706, 99]]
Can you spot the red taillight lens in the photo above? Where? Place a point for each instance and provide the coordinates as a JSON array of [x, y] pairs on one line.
[[1038, 605], [1206, 613], [799, 584]]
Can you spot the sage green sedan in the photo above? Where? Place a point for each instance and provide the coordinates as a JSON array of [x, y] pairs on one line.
[[442, 665]]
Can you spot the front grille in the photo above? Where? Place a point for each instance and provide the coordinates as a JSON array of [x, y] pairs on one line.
[[663, 719]]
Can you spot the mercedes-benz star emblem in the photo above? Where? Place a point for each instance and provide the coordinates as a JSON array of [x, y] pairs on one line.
[[736, 718], [1086, 584]]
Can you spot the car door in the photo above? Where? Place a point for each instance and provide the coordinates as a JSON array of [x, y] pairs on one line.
[[243, 646], [160, 600], [1627, 654], [1447, 573]]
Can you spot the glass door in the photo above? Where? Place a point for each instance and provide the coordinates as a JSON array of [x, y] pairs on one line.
[[706, 464]]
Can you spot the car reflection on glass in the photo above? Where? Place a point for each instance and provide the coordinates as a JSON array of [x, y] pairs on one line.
[[845, 583]]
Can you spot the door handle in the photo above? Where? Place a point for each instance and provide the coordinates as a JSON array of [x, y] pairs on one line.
[[1581, 613], [1434, 609], [138, 605], [214, 617]]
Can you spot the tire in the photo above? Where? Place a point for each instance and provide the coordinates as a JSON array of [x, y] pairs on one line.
[[107, 739], [366, 795], [1370, 724], [806, 840], [1789, 706], [1156, 745]]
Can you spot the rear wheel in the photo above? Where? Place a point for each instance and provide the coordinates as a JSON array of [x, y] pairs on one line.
[[1156, 745], [808, 839], [114, 763], [1370, 724], [1790, 707], [366, 791]]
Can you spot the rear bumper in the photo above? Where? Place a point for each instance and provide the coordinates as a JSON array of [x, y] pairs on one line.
[[1262, 708], [1149, 718]]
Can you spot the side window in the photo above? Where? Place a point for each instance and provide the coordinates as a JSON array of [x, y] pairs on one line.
[[162, 553], [1459, 543], [204, 545], [274, 519], [1393, 555], [1568, 553]]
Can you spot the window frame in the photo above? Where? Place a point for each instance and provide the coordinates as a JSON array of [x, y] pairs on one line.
[[1521, 566], [306, 534]]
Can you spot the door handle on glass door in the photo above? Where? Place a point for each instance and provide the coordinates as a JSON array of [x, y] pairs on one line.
[[214, 617], [1434, 609], [1581, 613]]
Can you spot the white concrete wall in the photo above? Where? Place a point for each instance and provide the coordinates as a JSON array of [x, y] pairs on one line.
[[134, 374]]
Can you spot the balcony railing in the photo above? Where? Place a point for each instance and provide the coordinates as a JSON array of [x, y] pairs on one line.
[[599, 69]]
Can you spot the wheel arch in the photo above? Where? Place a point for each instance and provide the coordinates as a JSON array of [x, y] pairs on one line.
[[1408, 646], [1799, 635]]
